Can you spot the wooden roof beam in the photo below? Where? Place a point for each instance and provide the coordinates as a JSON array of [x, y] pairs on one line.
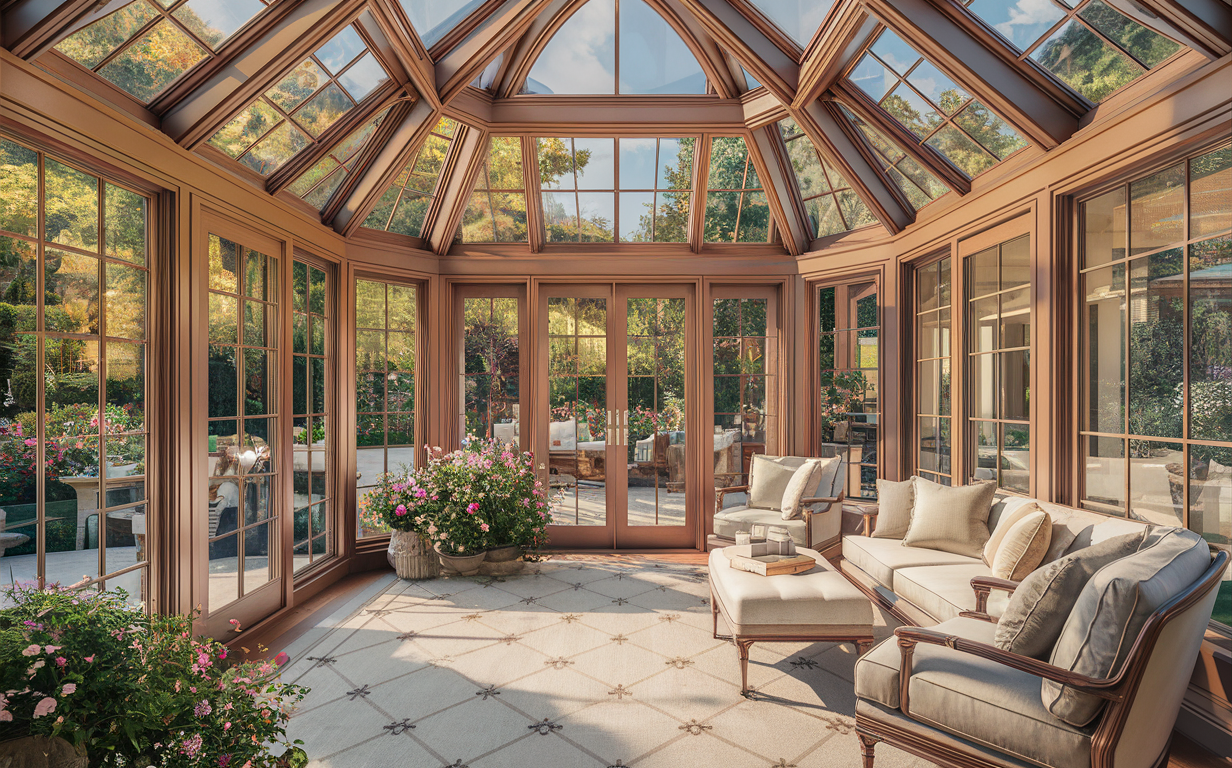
[[494, 34], [454, 193], [755, 50], [846, 151], [404, 45], [985, 66], [401, 146], [198, 116], [779, 181], [30, 27], [712, 58], [649, 115], [836, 46], [1204, 25], [523, 53]]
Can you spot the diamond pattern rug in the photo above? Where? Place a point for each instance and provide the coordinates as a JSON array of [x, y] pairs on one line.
[[578, 663]]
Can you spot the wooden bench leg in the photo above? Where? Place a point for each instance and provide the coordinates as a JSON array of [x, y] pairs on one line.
[[742, 648], [863, 646], [714, 614], [867, 745]]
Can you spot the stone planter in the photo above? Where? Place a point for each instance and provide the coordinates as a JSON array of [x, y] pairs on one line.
[[411, 557], [42, 752], [460, 565], [503, 561]]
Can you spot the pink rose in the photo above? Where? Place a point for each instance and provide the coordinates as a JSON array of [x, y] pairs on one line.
[[31, 650], [69, 688], [45, 707], [483, 527]]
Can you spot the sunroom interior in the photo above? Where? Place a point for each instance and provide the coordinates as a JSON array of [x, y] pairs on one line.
[[256, 254]]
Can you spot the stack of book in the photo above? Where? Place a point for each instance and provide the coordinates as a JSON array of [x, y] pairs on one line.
[[744, 559]]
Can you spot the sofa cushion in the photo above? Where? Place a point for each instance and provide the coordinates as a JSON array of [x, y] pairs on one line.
[[768, 479], [975, 699], [879, 558], [801, 485], [895, 501], [1023, 546], [740, 519], [950, 519], [1039, 608], [943, 591], [1112, 609]]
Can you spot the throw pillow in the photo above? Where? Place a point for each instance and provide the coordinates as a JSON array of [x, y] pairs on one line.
[[768, 479], [802, 482], [1022, 548], [1040, 606], [949, 519], [1112, 528], [894, 504], [1017, 509], [1111, 610]]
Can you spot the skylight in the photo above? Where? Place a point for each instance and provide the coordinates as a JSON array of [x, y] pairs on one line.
[[317, 185], [404, 206], [919, 186], [1091, 47], [496, 212], [736, 207], [582, 56], [830, 202], [145, 46], [925, 101], [303, 105], [798, 19], [433, 19]]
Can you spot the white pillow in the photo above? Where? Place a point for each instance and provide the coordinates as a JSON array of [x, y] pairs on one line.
[[802, 481], [562, 435]]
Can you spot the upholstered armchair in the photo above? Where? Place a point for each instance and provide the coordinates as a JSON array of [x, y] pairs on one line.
[[819, 523], [949, 695]]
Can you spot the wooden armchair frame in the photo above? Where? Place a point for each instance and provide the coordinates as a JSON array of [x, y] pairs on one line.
[[1119, 690], [806, 507]]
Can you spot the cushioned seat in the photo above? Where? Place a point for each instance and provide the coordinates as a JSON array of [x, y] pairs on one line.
[[880, 558], [729, 521], [943, 591], [978, 700]]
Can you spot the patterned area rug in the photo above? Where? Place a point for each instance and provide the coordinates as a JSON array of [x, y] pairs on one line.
[[578, 663]]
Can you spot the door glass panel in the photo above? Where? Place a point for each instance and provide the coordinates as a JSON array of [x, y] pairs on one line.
[[489, 378], [578, 410], [312, 394], [655, 444]]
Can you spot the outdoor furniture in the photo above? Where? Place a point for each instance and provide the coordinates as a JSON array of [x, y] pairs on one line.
[[820, 605], [947, 694], [819, 524]]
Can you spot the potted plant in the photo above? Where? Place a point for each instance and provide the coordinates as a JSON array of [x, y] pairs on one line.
[[395, 505], [510, 499], [131, 689]]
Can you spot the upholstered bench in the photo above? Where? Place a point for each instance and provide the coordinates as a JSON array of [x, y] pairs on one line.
[[819, 605]]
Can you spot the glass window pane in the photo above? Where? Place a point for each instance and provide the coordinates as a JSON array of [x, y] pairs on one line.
[[1085, 62], [993, 133], [581, 56], [1104, 234], [323, 110], [653, 58], [912, 110], [283, 143], [433, 19], [341, 50], [637, 163], [71, 206], [298, 85], [363, 77], [937, 87], [1022, 22], [1104, 335], [124, 224], [153, 61], [1210, 342], [873, 77], [1104, 478], [245, 128], [1210, 193], [959, 149], [1157, 210], [19, 179], [214, 22], [1156, 482], [1145, 45], [90, 45], [1156, 344], [798, 20], [896, 53]]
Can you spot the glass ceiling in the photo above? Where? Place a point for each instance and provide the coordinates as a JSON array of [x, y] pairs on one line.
[[798, 19], [1090, 47], [317, 185], [303, 105], [916, 182], [583, 56], [929, 104], [433, 19], [404, 206], [146, 46], [496, 212], [833, 207]]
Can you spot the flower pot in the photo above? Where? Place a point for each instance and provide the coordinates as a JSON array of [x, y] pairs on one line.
[[503, 561], [410, 557], [460, 565]]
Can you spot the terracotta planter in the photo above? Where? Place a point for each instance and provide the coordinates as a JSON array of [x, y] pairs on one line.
[[503, 561], [460, 565], [411, 557]]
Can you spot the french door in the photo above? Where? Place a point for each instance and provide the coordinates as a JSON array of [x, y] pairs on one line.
[[616, 372]]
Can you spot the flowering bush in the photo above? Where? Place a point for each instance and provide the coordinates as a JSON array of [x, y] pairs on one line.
[[136, 690]]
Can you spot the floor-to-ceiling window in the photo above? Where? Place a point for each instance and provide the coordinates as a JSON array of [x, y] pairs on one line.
[[1156, 357], [746, 381], [312, 393], [74, 296], [490, 371], [933, 323], [848, 368], [386, 352]]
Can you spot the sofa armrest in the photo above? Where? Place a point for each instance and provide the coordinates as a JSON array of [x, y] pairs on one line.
[[984, 585], [721, 493], [869, 513], [909, 637]]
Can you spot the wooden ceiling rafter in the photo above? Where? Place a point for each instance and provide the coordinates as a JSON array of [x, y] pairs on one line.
[[709, 55], [454, 192], [399, 108], [750, 44], [835, 46], [409, 49], [1204, 25], [868, 110], [779, 182], [985, 68], [461, 65]]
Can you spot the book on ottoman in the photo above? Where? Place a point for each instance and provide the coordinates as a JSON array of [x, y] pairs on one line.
[[747, 558]]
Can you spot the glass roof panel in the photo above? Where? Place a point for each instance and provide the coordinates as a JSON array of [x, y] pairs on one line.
[[798, 19], [831, 204], [737, 210], [582, 57], [925, 101], [1022, 22], [404, 206], [342, 49], [363, 77], [1086, 62], [433, 19], [279, 145], [749, 80], [1147, 46], [917, 184], [144, 47], [487, 78], [497, 214], [317, 185]]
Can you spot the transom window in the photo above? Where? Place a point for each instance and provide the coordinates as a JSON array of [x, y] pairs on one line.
[[404, 206], [830, 202], [616, 46], [145, 46], [303, 105], [736, 207], [925, 101], [1090, 47], [496, 212], [918, 185]]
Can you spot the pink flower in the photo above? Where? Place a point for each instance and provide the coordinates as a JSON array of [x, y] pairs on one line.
[[281, 659], [45, 706], [61, 661], [483, 527], [69, 688], [31, 650], [472, 508], [90, 658], [202, 709], [52, 648], [400, 510], [226, 726], [30, 442]]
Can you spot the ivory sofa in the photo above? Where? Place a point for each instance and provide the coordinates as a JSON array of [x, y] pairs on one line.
[[926, 587], [820, 520]]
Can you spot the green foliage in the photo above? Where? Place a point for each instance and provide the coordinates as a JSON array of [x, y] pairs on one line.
[[136, 689]]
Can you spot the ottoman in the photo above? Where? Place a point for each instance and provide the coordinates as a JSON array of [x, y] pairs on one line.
[[819, 605]]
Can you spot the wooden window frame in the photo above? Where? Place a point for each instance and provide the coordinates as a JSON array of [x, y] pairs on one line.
[[912, 423], [455, 429]]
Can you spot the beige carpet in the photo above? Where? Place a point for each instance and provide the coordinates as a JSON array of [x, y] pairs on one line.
[[584, 663]]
